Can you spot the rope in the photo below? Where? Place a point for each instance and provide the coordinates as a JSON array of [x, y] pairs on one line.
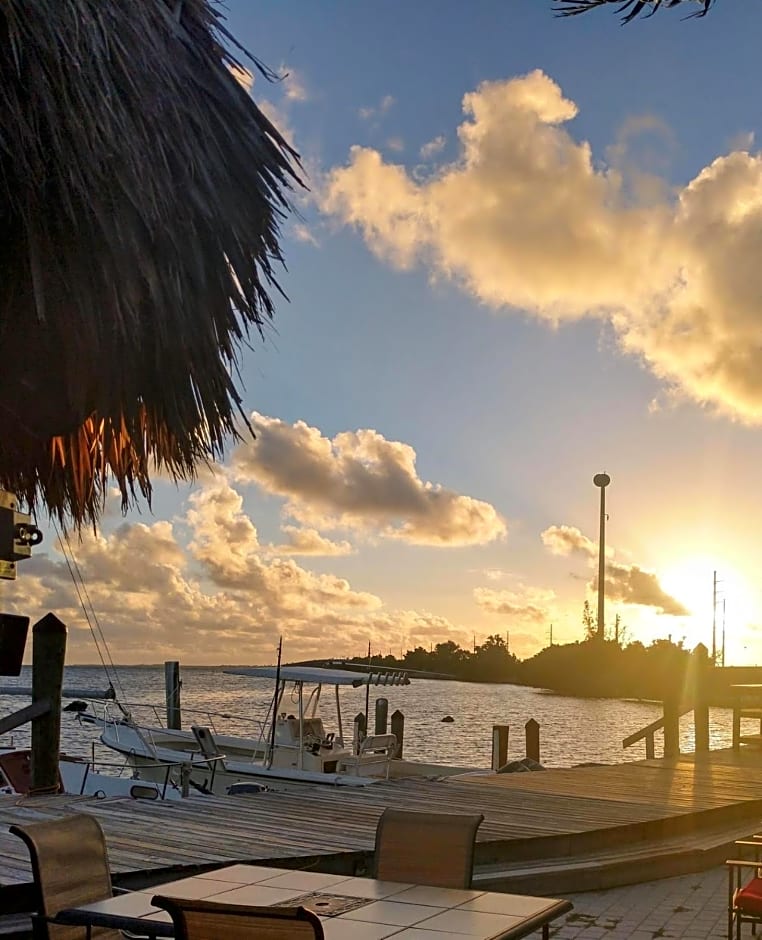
[[88, 610]]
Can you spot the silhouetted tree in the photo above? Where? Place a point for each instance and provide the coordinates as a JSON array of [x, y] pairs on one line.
[[588, 621]]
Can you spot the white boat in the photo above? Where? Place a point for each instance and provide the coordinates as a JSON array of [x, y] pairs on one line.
[[81, 777], [286, 749]]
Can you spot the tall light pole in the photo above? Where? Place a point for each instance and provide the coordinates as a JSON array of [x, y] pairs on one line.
[[601, 480]]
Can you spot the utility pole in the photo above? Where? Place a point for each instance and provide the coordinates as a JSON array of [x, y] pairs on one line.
[[714, 618], [723, 632], [601, 480]]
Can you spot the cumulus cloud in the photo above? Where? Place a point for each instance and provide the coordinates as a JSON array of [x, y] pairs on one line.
[[310, 542], [302, 233], [432, 147], [370, 112], [568, 540], [627, 583], [293, 83], [631, 585], [221, 598], [360, 480], [527, 605], [225, 541], [526, 218]]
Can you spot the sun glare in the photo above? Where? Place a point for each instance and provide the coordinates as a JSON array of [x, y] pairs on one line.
[[691, 581]]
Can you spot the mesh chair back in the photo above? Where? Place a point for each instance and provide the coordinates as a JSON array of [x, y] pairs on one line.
[[70, 866], [211, 920], [426, 848], [207, 745]]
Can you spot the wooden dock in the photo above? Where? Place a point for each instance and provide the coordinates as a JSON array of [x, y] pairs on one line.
[[549, 832]]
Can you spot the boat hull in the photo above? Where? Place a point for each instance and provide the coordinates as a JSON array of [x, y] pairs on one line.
[[158, 754]]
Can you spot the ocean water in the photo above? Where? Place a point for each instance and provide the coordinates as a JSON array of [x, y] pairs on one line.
[[572, 730]]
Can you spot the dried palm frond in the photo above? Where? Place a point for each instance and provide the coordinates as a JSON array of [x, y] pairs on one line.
[[635, 7], [141, 191]]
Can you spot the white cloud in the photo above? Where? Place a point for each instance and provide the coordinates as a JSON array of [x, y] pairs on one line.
[[396, 144], [293, 84], [360, 480], [432, 147], [525, 218], [303, 234], [379, 110]]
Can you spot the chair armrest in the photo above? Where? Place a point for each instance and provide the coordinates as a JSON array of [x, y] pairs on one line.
[[742, 863]]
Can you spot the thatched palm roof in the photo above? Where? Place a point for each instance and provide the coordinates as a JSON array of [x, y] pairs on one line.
[[140, 194], [630, 8]]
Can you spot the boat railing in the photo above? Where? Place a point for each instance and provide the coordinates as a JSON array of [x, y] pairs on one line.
[[114, 712], [95, 765]]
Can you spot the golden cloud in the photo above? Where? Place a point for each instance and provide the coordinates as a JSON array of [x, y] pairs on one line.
[[526, 218], [360, 480]]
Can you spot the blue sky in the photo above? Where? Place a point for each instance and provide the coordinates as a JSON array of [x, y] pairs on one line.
[[478, 322]]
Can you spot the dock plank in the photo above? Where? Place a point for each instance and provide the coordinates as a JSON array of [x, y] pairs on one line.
[[527, 816]]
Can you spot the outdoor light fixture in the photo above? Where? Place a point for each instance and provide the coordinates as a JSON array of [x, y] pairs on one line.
[[17, 535]]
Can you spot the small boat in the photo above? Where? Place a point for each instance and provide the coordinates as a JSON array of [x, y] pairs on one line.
[[81, 777], [286, 749]]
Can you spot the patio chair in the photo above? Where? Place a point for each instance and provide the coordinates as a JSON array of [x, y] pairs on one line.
[[70, 867], [744, 897], [209, 920], [426, 848]]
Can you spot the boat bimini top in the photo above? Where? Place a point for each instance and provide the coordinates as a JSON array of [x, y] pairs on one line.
[[321, 676]]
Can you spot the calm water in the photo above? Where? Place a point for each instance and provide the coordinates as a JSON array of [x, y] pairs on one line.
[[572, 731]]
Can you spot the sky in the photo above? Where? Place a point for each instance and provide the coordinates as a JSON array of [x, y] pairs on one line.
[[530, 251]]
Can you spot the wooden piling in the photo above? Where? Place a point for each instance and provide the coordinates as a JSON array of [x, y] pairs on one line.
[[172, 691], [499, 746], [382, 715], [532, 732], [699, 677], [398, 730], [359, 732], [48, 657], [672, 723]]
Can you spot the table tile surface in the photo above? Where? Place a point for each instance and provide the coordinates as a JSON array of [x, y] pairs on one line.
[[517, 904], [438, 897], [368, 888], [471, 923], [194, 887], [134, 904], [305, 881], [420, 933], [392, 909], [337, 929], [246, 874], [392, 912], [258, 894]]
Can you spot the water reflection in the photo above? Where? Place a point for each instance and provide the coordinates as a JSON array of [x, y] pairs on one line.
[[572, 731]]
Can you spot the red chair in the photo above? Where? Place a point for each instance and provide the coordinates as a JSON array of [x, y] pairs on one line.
[[744, 899]]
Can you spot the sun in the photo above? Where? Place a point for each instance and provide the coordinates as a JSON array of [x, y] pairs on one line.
[[728, 599]]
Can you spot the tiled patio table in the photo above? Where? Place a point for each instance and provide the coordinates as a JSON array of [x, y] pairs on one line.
[[350, 908]]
